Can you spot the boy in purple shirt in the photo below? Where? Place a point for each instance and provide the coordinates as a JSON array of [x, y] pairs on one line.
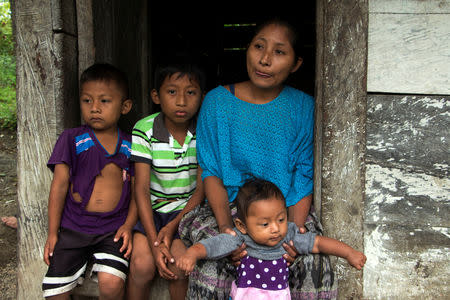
[[91, 209]]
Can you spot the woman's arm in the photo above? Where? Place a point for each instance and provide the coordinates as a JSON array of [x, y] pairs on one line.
[[218, 200], [299, 212]]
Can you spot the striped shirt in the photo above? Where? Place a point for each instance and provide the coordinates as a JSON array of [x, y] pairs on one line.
[[173, 168]]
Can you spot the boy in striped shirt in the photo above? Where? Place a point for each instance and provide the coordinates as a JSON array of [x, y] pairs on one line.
[[164, 152]]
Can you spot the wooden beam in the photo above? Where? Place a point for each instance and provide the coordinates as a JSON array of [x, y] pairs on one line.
[[46, 103], [341, 98]]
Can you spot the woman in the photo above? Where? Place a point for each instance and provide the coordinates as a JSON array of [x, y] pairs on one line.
[[259, 128]]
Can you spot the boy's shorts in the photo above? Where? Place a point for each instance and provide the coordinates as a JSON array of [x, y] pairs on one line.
[[160, 220], [71, 255]]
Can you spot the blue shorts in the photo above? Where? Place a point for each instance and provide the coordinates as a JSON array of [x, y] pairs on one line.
[[73, 251], [161, 220]]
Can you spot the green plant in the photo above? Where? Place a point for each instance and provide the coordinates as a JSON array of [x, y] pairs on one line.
[[8, 118]]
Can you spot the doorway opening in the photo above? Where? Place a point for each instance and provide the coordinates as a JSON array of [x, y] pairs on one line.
[[220, 42]]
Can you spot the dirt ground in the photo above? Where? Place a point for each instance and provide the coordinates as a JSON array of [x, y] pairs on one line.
[[8, 207]]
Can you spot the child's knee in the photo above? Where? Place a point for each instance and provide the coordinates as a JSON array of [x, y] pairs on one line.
[[143, 267], [110, 286]]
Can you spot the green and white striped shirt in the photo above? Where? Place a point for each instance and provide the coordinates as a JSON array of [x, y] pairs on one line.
[[173, 167]]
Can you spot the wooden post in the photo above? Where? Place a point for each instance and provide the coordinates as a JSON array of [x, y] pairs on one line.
[[340, 128], [46, 103]]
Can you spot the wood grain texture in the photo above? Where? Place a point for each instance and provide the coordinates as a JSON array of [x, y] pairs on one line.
[[407, 197], [45, 100], [409, 132], [343, 100], [409, 53], [410, 6]]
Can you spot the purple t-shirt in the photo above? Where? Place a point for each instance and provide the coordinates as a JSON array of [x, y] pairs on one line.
[[80, 149]]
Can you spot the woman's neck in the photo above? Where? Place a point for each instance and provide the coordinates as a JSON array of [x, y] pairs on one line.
[[248, 92]]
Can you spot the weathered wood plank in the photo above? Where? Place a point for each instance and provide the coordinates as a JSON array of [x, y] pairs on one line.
[[85, 29], [45, 94], [63, 17], [406, 262], [406, 198], [343, 101], [409, 132], [121, 38], [409, 6], [409, 53]]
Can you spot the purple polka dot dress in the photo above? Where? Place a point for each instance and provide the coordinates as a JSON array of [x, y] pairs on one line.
[[261, 279]]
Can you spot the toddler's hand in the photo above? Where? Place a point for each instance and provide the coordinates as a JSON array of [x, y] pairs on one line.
[[356, 259], [186, 263]]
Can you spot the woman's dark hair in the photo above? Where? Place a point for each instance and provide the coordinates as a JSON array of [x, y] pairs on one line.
[[182, 64], [295, 37], [255, 189], [106, 72]]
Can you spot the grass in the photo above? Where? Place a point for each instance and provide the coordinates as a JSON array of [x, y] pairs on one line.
[[8, 117]]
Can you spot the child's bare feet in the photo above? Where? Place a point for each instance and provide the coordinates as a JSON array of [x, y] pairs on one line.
[[10, 221]]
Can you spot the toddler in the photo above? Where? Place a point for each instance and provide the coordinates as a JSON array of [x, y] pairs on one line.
[[262, 225]]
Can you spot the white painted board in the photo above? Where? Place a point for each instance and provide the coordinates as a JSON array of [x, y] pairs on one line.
[[410, 6], [409, 53]]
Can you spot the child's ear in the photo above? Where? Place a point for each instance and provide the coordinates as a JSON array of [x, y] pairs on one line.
[[127, 104], [240, 226], [155, 96]]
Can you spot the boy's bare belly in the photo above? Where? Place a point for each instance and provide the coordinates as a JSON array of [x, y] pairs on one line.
[[107, 190]]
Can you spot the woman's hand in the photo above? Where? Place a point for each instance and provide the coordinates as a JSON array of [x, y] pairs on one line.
[[237, 254], [291, 253]]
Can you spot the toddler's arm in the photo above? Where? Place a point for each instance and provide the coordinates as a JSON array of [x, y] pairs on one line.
[[188, 260], [215, 247], [56, 200], [331, 246]]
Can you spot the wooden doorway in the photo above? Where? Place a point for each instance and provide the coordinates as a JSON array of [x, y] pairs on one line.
[[220, 42]]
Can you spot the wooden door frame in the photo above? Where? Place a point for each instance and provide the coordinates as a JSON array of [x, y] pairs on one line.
[[47, 68], [341, 101]]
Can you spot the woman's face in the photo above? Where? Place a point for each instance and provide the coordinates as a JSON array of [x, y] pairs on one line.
[[271, 58]]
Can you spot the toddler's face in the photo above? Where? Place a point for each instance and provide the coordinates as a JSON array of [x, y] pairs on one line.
[[180, 98], [266, 221], [102, 103]]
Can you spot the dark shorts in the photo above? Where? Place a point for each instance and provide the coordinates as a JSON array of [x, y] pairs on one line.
[[71, 255], [161, 220]]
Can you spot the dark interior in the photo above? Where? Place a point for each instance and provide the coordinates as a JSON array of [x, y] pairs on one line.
[[136, 35], [220, 41]]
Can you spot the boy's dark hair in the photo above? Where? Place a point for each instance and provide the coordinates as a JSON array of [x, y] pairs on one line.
[[255, 189], [106, 72], [182, 64]]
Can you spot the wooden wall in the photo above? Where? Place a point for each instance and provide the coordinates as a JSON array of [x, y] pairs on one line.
[[340, 129], [121, 37], [406, 223], [47, 102]]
